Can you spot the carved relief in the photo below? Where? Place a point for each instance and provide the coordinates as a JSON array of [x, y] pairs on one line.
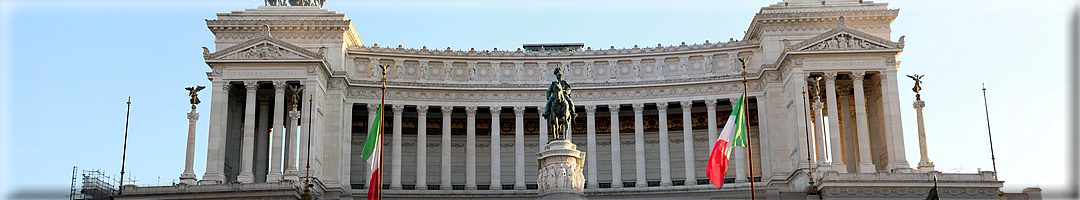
[[264, 51], [843, 41]]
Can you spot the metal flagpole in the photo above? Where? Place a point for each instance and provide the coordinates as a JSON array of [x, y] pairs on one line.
[[746, 116], [382, 108], [123, 158], [307, 175], [993, 162], [809, 159]]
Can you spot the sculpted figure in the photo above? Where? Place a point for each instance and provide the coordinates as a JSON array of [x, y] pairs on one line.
[[193, 92], [918, 82], [560, 107]]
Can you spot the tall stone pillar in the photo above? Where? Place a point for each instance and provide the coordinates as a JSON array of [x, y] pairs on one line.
[[819, 133], [665, 149], [590, 111], [925, 165], [639, 145], [560, 171], [897, 158], [373, 110], [470, 148], [395, 152], [275, 148], [215, 147], [188, 176], [834, 124], [262, 139], [688, 142], [421, 147], [519, 148], [248, 153], [865, 164], [496, 147], [851, 155], [616, 148], [445, 146], [291, 172], [739, 153], [710, 107]]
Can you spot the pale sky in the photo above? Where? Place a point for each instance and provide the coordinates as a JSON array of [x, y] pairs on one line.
[[67, 67]]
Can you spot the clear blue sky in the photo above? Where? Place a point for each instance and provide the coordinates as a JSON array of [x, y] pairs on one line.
[[67, 68]]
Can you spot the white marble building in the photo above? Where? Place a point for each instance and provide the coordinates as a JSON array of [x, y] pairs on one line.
[[464, 124]]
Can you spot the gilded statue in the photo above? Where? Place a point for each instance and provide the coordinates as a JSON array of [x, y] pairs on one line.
[[817, 87], [193, 92], [295, 93], [918, 85], [560, 107]]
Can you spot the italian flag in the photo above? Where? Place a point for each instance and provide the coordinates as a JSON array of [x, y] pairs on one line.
[[373, 154], [734, 134]]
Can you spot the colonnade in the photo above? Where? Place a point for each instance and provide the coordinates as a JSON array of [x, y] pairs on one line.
[[690, 169]]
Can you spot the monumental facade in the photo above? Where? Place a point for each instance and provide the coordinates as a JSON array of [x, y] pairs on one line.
[[465, 123]]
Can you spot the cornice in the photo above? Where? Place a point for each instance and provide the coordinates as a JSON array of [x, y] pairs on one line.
[[762, 20], [526, 55]]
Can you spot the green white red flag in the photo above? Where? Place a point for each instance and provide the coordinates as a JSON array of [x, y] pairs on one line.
[[734, 134], [373, 154]]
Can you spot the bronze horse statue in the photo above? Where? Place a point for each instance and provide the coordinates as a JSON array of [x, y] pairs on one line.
[[560, 107]]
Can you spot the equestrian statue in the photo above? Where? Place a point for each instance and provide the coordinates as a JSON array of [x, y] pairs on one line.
[[560, 107]]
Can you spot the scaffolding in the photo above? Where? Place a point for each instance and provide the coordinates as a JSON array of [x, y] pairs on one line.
[[95, 186]]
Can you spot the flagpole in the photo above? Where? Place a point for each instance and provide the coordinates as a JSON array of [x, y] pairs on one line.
[[307, 175], [991, 136], [809, 160], [123, 158], [382, 107], [746, 115]]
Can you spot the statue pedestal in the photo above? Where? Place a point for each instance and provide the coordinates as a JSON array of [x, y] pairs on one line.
[[560, 171]]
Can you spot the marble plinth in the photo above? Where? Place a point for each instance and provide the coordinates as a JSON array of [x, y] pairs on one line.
[[560, 171]]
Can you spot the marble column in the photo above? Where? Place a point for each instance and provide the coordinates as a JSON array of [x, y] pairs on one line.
[[275, 147], [639, 145], [898, 157], [291, 146], [665, 149], [847, 128], [188, 176], [345, 144], [445, 153], [421, 147], [616, 148], [248, 153], [819, 132], [470, 148], [215, 147], [739, 152], [519, 148], [543, 128], [395, 149], [925, 165], [590, 111], [834, 124], [496, 147], [865, 164], [688, 142], [710, 107], [262, 139]]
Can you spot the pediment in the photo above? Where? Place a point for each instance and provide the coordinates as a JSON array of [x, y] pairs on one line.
[[843, 38], [264, 48]]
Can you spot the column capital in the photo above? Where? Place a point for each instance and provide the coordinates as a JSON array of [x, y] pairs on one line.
[[398, 108], [447, 110], [882, 76], [421, 109], [843, 90], [495, 110], [613, 108], [226, 86], [919, 104], [279, 86], [519, 110], [470, 110], [857, 76], [590, 109], [686, 104], [251, 86], [818, 105], [371, 108], [661, 106], [193, 116], [710, 103], [638, 107], [830, 77]]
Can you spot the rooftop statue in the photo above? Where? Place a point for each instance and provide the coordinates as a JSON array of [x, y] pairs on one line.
[[318, 3], [560, 107], [193, 92]]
